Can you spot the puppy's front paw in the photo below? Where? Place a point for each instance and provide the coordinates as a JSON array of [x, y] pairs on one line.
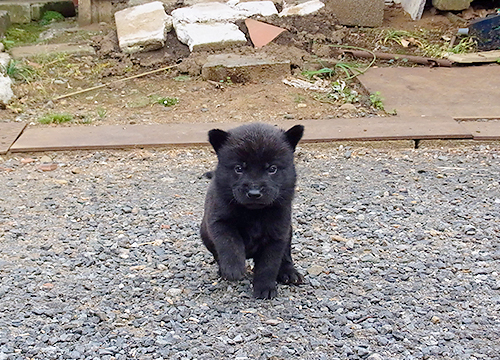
[[264, 292], [290, 275], [233, 271]]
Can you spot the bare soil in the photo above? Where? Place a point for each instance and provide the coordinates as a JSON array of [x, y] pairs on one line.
[[307, 44]]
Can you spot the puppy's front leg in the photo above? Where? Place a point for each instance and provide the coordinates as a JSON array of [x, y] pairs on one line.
[[267, 265], [230, 251]]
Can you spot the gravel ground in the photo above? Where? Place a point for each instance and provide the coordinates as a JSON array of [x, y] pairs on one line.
[[101, 259]]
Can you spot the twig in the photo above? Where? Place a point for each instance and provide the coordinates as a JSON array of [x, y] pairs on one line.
[[112, 82]]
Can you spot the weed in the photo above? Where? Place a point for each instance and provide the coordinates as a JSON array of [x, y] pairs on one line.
[[101, 113], [340, 91], [377, 101], [20, 71], [182, 78], [227, 81], [325, 72], [50, 17], [22, 34], [467, 44], [165, 101], [55, 118]]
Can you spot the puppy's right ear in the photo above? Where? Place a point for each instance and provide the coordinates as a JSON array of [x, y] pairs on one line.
[[217, 138]]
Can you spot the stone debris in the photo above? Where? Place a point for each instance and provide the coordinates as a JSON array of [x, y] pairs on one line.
[[451, 5], [209, 36], [206, 12], [6, 93], [414, 7], [142, 28], [306, 8]]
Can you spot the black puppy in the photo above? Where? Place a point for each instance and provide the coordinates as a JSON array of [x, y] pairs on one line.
[[249, 204]]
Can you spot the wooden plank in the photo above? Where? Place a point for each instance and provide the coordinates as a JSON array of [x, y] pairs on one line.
[[129, 136], [477, 57], [9, 132], [458, 92], [483, 130]]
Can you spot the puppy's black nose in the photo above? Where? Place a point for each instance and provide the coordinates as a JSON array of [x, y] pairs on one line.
[[254, 194]]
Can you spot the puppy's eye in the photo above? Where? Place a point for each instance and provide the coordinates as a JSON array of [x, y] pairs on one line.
[[272, 169], [238, 169]]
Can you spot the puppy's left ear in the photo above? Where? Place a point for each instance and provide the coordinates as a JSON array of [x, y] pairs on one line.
[[217, 138], [294, 134]]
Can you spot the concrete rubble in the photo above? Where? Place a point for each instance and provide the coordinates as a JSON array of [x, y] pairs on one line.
[[202, 26], [142, 28]]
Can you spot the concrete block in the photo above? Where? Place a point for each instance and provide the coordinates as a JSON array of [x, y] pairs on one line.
[[250, 8], [4, 22], [143, 27], [33, 50], [358, 12], [414, 7], [206, 12], [241, 69], [19, 12], [209, 36], [451, 5], [308, 7]]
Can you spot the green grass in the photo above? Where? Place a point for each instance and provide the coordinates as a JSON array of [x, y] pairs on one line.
[[376, 101], [51, 16], [22, 34], [55, 118], [165, 101], [20, 71]]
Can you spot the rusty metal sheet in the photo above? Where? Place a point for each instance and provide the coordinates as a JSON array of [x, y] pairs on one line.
[[121, 136], [455, 92], [483, 130], [9, 132]]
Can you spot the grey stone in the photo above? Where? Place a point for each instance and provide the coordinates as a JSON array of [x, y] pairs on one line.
[[451, 5], [357, 12]]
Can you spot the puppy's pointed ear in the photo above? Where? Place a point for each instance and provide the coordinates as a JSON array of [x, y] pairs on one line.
[[294, 134], [217, 138]]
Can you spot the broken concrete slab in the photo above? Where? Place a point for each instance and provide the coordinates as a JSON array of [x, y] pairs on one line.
[[263, 8], [414, 7], [451, 5], [33, 50], [306, 8], [209, 36], [358, 12], [142, 28], [19, 12], [242, 69], [222, 12], [206, 12]]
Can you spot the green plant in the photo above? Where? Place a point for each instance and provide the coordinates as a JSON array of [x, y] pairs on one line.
[[55, 118], [22, 34], [51, 16], [182, 78], [324, 72], [165, 101], [101, 112], [376, 100], [467, 44], [341, 92], [20, 71]]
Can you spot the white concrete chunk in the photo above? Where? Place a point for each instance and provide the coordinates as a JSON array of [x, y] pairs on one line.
[[264, 8], [209, 36], [414, 7], [306, 8], [6, 93], [143, 27], [206, 12]]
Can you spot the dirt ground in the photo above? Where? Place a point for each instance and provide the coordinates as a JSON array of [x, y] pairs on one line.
[[309, 44]]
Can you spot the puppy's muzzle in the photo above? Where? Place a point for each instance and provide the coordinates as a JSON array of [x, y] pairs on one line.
[[254, 194]]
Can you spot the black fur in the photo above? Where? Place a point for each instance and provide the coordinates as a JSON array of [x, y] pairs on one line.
[[249, 202]]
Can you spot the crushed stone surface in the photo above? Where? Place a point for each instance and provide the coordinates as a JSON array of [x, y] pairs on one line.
[[100, 258]]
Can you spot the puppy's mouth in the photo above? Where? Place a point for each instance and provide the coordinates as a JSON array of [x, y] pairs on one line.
[[253, 206]]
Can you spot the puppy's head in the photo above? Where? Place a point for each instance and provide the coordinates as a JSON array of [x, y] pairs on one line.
[[255, 166]]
